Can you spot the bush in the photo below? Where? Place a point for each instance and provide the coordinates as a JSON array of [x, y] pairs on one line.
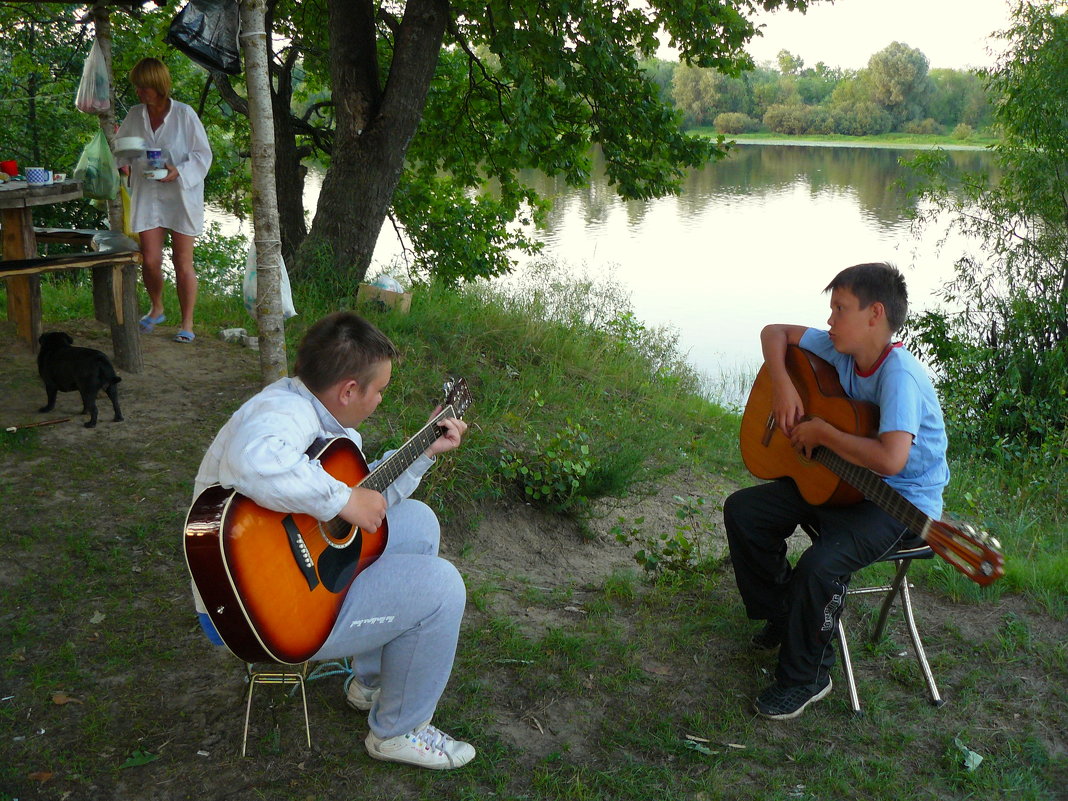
[[963, 132], [554, 471], [733, 122], [927, 126], [789, 119], [861, 119], [820, 120]]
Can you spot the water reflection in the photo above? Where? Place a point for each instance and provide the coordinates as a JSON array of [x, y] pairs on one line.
[[751, 239]]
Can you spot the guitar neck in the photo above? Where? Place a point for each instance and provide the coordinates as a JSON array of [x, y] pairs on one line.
[[877, 491], [390, 470]]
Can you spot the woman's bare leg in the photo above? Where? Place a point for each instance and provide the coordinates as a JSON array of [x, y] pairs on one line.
[[185, 276], [152, 267]]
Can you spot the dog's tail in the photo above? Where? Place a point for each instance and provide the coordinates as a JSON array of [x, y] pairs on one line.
[[108, 376]]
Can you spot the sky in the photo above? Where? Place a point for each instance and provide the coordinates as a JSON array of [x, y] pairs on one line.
[[951, 33]]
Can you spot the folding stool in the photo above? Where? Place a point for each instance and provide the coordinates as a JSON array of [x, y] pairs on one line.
[[896, 590]]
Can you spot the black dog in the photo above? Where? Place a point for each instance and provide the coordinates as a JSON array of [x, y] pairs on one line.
[[65, 369]]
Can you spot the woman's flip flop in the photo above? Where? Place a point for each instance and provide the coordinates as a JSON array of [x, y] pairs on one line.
[[148, 322], [184, 336]]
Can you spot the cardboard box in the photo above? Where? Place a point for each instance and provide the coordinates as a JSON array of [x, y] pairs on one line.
[[398, 301]]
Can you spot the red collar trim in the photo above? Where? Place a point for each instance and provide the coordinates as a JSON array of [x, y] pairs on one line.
[[878, 362]]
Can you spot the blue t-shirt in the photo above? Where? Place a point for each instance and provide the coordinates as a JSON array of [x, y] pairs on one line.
[[901, 389]]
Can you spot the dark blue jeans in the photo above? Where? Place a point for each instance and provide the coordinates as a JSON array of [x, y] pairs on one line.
[[806, 598]]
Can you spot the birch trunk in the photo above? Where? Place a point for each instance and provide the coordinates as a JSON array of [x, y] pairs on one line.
[[125, 338], [273, 364]]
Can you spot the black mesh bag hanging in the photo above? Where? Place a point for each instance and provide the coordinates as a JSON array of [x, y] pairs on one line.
[[206, 31]]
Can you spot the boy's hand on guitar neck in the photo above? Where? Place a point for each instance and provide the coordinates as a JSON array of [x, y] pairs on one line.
[[452, 433]]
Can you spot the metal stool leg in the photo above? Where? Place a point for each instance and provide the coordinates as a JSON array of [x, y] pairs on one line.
[[275, 678], [847, 667], [888, 601], [917, 646]]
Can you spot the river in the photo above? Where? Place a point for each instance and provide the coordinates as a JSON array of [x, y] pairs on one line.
[[750, 240]]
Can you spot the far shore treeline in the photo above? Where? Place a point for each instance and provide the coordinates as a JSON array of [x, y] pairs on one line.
[[896, 92]]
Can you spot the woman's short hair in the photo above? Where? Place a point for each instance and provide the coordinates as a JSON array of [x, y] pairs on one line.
[[340, 346], [151, 73]]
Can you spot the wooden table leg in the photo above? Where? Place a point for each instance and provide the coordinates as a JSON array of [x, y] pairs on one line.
[[23, 291], [125, 333]]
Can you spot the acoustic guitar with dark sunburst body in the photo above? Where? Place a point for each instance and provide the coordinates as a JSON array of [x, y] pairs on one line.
[[273, 582]]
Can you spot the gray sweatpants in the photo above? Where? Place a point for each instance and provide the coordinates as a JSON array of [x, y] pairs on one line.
[[400, 621]]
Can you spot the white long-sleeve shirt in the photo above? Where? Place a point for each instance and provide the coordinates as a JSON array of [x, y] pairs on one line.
[[261, 453], [177, 205]]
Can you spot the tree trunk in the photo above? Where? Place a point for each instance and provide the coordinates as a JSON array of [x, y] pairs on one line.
[[125, 338], [289, 174], [373, 131], [273, 364]]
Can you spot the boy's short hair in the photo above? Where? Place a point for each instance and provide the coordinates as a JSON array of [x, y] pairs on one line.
[[341, 345], [151, 73], [876, 282]]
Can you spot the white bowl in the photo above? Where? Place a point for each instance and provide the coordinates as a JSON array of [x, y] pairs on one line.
[[155, 175], [129, 147]]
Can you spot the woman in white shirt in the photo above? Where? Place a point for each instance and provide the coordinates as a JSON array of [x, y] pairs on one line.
[[173, 203]]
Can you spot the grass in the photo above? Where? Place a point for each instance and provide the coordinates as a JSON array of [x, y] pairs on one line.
[[643, 692]]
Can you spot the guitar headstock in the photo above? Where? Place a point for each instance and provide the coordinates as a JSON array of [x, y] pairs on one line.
[[974, 553], [457, 395]]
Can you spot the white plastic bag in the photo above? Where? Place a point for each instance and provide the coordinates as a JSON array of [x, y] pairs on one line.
[[248, 286], [94, 91]]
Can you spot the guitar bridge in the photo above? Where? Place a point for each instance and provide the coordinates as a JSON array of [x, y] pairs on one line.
[[769, 429], [301, 555]]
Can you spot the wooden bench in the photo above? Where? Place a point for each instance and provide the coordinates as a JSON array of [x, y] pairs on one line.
[[24, 298]]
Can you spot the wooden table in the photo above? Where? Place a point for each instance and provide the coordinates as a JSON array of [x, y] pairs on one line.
[[24, 283]]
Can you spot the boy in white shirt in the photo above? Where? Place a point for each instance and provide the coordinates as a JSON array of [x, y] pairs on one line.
[[400, 618]]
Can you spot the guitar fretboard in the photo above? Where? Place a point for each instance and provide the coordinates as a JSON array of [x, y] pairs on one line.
[[876, 490], [390, 470]]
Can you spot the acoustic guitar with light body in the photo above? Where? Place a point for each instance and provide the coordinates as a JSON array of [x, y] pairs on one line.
[[827, 479]]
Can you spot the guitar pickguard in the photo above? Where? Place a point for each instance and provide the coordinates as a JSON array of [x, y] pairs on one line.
[[337, 566]]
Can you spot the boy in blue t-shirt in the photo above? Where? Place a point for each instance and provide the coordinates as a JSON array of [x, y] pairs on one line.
[[801, 604]]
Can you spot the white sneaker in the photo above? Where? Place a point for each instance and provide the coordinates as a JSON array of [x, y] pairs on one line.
[[424, 746], [359, 695]]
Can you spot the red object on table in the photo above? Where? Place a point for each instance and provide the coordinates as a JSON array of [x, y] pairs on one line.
[[10, 167]]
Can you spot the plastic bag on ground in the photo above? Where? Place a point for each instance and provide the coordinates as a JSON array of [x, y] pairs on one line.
[[248, 286]]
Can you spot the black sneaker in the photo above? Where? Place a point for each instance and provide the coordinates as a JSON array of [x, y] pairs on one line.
[[783, 703], [770, 637]]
